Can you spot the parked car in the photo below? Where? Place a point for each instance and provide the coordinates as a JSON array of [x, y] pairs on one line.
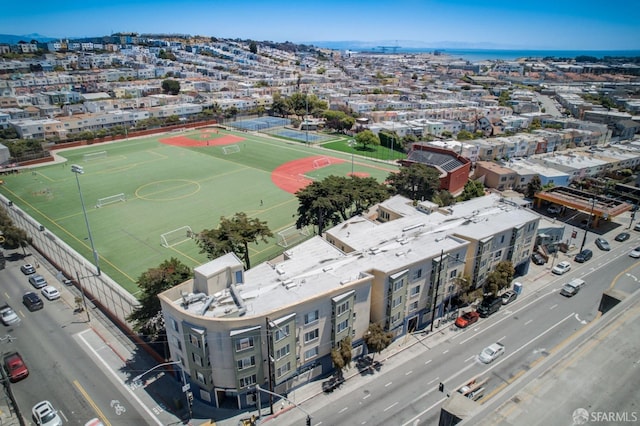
[[28, 269], [583, 256], [561, 268], [538, 259], [488, 306], [15, 366], [50, 292], [37, 281], [32, 301], [490, 353], [635, 253], [553, 210], [637, 227], [45, 415], [572, 287], [8, 315], [467, 319], [508, 297], [623, 236], [603, 244]]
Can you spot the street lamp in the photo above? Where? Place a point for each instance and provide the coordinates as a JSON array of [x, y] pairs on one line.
[[437, 285], [185, 386], [584, 240], [78, 170]]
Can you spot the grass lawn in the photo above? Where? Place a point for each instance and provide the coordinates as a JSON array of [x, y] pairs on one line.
[[168, 187]]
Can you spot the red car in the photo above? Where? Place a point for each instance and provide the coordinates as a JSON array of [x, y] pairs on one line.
[[15, 366], [467, 319]]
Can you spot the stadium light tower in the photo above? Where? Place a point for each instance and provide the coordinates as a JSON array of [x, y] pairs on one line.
[[78, 170]]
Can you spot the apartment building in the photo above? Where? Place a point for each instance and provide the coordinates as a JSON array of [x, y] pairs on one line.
[[276, 323]]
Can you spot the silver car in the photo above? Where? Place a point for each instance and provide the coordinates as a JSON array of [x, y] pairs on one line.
[[490, 353]]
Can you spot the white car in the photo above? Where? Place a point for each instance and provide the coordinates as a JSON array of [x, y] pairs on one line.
[[8, 315], [45, 415], [490, 353], [635, 253], [561, 268], [50, 292], [553, 210]]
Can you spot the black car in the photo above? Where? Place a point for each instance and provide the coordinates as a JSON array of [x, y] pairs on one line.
[[583, 256], [32, 301], [623, 236], [538, 259]]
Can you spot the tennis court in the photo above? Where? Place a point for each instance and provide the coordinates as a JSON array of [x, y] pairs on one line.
[[259, 124], [171, 185]]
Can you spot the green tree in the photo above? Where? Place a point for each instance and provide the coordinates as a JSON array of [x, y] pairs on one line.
[[366, 138], [472, 189], [341, 355], [233, 235], [147, 317], [171, 86], [253, 47], [500, 278], [301, 104], [534, 186], [377, 338], [416, 181], [338, 120], [335, 199], [464, 135], [279, 106], [443, 198]]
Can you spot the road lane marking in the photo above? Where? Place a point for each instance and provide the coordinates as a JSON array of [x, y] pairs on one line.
[[408, 372], [391, 406], [433, 380], [553, 307], [343, 410], [528, 322], [470, 358], [118, 379], [366, 396], [92, 403], [428, 361], [388, 384], [445, 352]]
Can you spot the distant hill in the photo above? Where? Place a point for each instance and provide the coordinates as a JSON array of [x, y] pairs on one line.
[[13, 39]]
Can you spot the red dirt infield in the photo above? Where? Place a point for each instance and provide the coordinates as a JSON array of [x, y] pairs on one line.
[[185, 141], [290, 176]]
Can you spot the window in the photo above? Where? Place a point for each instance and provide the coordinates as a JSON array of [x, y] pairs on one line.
[[247, 381], [414, 291], [281, 371], [311, 353], [201, 377], [174, 325], [502, 239], [239, 277], [342, 326], [498, 254], [398, 285], [311, 335], [342, 308], [246, 362], [396, 302], [282, 352], [176, 342], [417, 274], [195, 341], [282, 332], [395, 318], [311, 317], [244, 343], [197, 359], [453, 273], [413, 306]]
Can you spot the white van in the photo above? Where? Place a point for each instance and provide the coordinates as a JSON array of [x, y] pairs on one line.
[[572, 287]]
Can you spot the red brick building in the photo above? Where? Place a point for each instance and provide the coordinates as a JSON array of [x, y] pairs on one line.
[[454, 169]]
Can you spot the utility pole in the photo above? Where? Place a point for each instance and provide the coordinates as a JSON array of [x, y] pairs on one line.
[[584, 239], [437, 285], [269, 367]]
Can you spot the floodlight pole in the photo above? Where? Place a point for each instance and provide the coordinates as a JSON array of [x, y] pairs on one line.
[[78, 170]]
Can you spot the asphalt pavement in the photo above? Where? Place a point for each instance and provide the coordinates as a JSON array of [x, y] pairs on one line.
[[161, 393]]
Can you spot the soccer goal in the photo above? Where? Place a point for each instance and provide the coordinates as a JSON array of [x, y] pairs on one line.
[[95, 155], [177, 236], [231, 149], [321, 162], [291, 236], [110, 200]]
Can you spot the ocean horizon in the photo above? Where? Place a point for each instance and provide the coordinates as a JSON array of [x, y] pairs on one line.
[[475, 55]]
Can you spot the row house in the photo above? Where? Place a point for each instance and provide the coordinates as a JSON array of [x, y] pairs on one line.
[[181, 110], [275, 324], [38, 129], [576, 166], [4, 120]]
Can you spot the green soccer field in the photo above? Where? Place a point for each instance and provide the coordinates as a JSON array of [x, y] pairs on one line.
[[166, 188]]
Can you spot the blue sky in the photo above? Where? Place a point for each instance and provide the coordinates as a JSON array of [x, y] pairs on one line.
[[543, 24]]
